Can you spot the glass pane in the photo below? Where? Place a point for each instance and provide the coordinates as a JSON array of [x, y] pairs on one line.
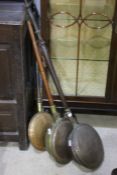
[[97, 21], [63, 43], [62, 19], [92, 78], [65, 33], [80, 47], [66, 71], [101, 6], [95, 44], [65, 5]]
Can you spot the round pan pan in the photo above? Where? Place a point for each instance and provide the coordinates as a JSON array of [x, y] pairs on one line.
[[40, 121], [86, 146], [85, 143], [83, 135], [57, 141], [97, 145], [90, 159], [47, 88]]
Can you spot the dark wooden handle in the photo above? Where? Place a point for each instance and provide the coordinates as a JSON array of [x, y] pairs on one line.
[[40, 64]]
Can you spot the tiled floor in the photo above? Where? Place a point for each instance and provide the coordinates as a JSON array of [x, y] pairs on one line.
[[31, 162]]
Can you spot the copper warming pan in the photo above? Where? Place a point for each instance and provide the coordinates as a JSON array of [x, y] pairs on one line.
[[86, 145]]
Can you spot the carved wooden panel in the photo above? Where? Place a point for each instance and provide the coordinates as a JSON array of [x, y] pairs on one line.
[[7, 84]]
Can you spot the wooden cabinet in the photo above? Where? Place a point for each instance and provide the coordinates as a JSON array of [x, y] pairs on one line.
[[82, 38], [16, 74]]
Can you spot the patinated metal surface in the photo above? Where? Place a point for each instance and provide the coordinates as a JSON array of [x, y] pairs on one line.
[[57, 141], [37, 129], [87, 147]]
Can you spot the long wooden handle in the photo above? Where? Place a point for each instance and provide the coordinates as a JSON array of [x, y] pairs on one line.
[[47, 59], [40, 64]]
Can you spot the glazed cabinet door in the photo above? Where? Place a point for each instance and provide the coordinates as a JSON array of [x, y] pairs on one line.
[[81, 39]]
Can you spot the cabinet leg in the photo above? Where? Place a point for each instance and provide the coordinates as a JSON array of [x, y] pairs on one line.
[[23, 145]]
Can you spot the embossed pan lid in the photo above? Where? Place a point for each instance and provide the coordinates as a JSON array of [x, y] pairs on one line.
[[86, 146]]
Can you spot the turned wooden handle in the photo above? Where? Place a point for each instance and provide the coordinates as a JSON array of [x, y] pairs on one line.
[[40, 64]]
